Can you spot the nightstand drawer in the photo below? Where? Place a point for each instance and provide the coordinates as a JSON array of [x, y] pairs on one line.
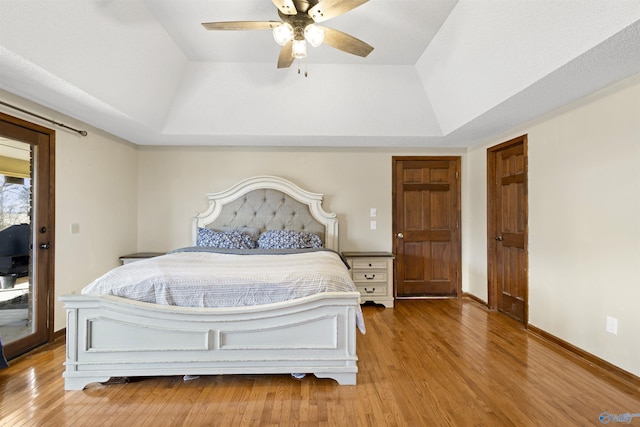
[[367, 264], [369, 276], [372, 289]]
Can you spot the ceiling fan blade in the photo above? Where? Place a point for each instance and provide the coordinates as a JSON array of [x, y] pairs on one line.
[[241, 25], [346, 42], [285, 59], [286, 6], [327, 9]]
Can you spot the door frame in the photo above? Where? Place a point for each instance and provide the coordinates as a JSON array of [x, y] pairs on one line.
[[492, 231], [394, 220], [43, 137]]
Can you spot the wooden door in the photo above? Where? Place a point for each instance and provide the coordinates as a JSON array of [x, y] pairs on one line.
[[38, 144], [426, 226], [507, 227]]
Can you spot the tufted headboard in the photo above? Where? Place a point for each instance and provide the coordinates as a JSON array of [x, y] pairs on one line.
[[269, 203]]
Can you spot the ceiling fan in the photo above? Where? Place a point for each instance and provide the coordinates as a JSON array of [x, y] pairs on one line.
[[297, 26]]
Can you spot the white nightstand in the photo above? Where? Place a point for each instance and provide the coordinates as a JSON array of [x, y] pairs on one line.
[[372, 273], [126, 259]]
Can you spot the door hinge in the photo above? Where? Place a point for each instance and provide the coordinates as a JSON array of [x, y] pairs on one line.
[[457, 174]]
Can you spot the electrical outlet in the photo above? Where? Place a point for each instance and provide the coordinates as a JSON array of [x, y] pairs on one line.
[[612, 325], [373, 225]]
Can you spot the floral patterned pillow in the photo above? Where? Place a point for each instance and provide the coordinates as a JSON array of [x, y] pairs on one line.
[[288, 239], [231, 239], [253, 232]]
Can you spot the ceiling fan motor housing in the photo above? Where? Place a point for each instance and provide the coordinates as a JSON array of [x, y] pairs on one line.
[[298, 22]]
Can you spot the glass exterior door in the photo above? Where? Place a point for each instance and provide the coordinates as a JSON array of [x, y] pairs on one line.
[[26, 228], [16, 274]]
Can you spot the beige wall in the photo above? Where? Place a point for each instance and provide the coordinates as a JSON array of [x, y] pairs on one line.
[[174, 182], [96, 183], [584, 223]]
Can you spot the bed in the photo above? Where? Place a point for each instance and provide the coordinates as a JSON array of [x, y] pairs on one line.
[[109, 335]]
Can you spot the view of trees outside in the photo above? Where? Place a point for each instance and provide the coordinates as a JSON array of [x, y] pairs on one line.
[[14, 202]]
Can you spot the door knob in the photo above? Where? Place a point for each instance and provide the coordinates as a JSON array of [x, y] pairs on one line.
[[499, 238], [45, 245], [400, 236]]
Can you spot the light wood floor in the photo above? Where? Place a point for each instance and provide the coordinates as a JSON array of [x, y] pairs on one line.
[[423, 363]]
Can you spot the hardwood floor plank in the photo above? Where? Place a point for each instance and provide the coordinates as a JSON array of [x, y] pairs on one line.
[[425, 362]]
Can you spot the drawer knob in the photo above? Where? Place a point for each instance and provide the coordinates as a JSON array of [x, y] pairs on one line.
[[369, 291], [373, 276]]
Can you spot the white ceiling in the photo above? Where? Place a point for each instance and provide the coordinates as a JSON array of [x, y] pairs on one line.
[[443, 72]]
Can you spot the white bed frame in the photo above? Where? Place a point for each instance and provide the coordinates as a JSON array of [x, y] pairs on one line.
[[109, 336]]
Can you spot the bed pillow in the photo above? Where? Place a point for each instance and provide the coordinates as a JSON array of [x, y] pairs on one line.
[[232, 239], [288, 239], [253, 232]]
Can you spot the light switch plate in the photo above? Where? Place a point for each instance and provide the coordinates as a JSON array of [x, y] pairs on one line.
[[612, 325]]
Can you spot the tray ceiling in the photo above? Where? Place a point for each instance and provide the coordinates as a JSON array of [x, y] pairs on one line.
[[443, 72]]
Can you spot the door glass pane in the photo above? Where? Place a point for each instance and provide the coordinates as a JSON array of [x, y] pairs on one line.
[[16, 284]]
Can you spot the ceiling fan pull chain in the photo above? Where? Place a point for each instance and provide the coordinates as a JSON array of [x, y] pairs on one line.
[[306, 73]]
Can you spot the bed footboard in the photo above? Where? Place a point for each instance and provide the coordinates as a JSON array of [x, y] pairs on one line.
[[108, 336]]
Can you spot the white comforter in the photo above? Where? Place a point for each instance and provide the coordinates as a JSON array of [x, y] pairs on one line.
[[208, 279]]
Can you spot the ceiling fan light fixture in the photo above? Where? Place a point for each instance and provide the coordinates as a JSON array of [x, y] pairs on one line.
[[283, 33], [314, 35], [299, 49], [296, 28]]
